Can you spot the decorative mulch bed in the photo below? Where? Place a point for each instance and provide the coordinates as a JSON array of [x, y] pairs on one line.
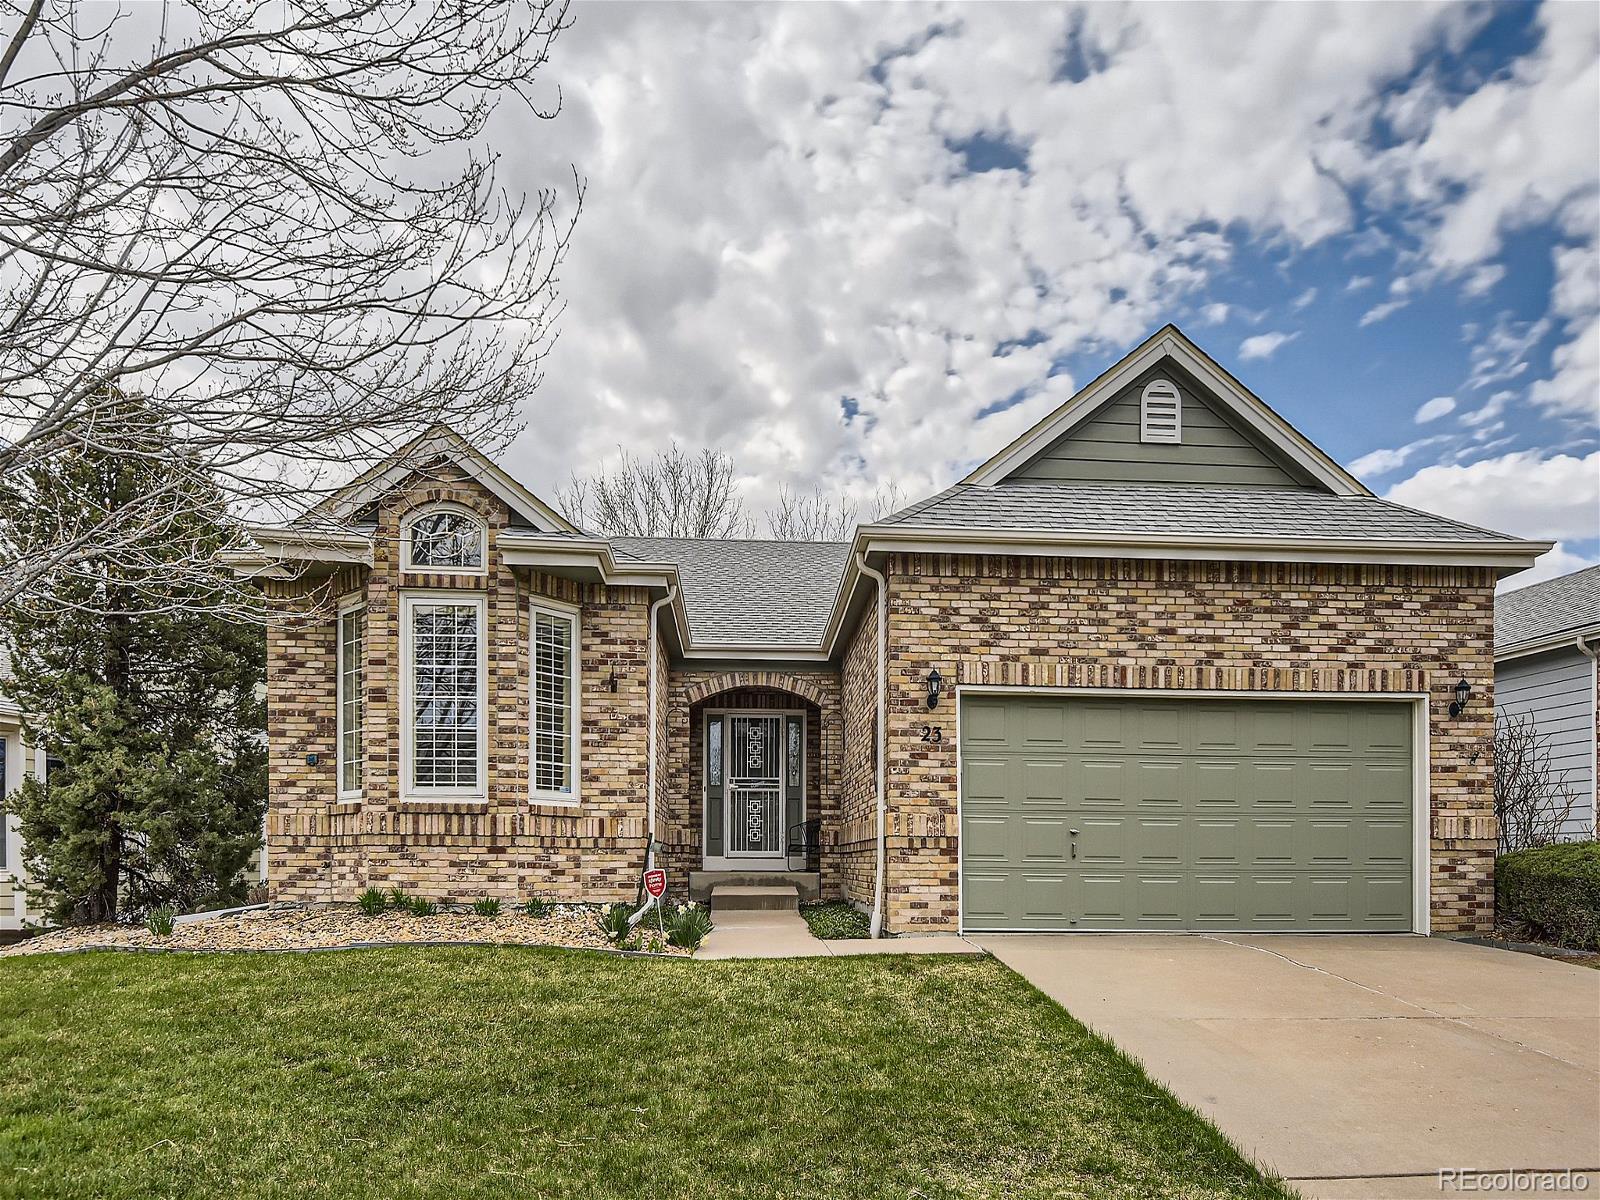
[[335, 926]]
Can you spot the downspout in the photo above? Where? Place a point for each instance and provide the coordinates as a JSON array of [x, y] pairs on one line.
[[1594, 733], [650, 767], [883, 726], [643, 904]]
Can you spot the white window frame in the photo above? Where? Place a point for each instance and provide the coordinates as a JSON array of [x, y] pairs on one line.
[[408, 787], [345, 610], [1165, 392], [573, 616], [460, 510]]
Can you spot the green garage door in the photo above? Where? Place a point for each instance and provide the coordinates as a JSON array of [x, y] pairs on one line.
[[1080, 813]]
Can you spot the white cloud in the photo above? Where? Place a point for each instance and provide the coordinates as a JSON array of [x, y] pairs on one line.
[[1214, 314], [1383, 461], [1378, 312], [1521, 493], [1492, 409], [1264, 345], [1574, 388], [1357, 282], [1380, 462], [776, 220], [1305, 299], [1433, 409]]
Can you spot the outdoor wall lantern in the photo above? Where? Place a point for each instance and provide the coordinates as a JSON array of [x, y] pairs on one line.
[[935, 687], [613, 681], [1463, 694]]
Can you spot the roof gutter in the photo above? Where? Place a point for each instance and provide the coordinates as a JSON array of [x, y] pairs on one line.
[[1554, 641], [882, 731], [1490, 552]]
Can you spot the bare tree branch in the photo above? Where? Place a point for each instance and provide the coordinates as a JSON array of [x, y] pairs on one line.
[[674, 494], [813, 518], [1532, 801], [278, 223]]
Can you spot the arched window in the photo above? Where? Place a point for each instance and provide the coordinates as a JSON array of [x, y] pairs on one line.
[[444, 539], [1160, 413]]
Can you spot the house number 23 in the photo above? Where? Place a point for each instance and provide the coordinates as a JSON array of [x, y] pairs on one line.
[[932, 733]]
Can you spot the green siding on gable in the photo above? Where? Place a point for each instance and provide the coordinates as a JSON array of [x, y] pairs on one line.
[[1106, 448]]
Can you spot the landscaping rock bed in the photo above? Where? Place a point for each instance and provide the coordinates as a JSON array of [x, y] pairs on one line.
[[331, 926]]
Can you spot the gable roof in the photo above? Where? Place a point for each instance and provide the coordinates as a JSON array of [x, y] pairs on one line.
[[1562, 608], [439, 442], [1236, 402], [750, 592]]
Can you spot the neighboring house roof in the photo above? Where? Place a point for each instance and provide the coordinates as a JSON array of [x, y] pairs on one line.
[[743, 593], [1152, 510], [1561, 608]]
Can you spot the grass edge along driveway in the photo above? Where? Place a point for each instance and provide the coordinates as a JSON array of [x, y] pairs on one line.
[[496, 1072]]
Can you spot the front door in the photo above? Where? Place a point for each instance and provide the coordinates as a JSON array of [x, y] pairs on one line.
[[755, 786]]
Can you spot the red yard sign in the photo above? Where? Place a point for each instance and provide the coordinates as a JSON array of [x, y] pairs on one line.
[[655, 882]]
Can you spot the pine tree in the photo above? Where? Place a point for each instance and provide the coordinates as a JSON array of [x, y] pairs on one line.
[[139, 681]]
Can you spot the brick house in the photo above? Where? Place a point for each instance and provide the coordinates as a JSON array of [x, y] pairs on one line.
[[1160, 663]]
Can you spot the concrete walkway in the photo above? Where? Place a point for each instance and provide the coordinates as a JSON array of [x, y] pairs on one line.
[[1354, 1066], [757, 934]]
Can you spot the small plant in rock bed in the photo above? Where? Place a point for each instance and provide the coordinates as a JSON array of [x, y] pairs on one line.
[[687, 925], [537, 909], [159, 921], [613, 919], [398, 899], [419, 907], [373, 901], [487, 906]]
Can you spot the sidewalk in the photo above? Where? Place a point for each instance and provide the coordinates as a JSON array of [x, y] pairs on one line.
[[786, 935]]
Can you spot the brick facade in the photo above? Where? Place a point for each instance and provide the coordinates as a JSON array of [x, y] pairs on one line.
[[1175, 626], [320, 848], [1041, 622]]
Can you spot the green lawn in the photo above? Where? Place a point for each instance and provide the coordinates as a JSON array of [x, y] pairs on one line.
[[538, 1073]]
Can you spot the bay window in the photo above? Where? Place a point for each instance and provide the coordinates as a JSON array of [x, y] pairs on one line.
[[444, 675]]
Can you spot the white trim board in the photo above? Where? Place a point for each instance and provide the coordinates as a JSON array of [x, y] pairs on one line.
[[1421, 790]]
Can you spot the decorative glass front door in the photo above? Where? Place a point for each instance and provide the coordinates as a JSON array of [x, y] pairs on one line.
[[755, 786]]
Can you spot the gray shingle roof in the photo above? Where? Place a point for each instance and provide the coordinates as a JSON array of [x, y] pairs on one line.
[[1182, 509], [750, 592], [1543, 610]]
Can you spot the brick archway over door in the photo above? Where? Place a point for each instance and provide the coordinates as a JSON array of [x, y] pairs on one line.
[[733, 680]]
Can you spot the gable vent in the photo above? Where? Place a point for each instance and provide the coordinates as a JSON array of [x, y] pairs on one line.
[[1160, 413]]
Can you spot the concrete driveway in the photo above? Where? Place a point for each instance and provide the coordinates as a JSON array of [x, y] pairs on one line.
[[1354, 1066]]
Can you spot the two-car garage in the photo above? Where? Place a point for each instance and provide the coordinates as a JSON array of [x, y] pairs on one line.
[[1119, 812]]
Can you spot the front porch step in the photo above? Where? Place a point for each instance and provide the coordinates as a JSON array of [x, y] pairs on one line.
[[732, 898], [808, 884]]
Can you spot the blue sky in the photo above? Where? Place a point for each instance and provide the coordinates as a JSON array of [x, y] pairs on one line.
[[854, 244]]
